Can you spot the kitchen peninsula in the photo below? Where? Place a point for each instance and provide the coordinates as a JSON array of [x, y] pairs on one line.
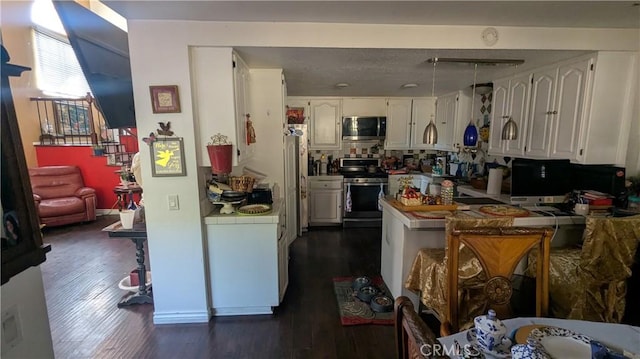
[[248, 261], [404, 234]]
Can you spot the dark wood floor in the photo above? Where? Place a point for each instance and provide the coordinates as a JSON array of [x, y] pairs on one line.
[[81, 278]]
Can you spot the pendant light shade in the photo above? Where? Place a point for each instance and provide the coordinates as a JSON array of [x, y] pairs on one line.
[[470, 137], [510, 130], [430, 134]]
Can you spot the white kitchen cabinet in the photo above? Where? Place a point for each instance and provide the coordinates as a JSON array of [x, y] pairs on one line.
[[406, 121], [364, 106], [325, 200], [510, 99], [325, 122], [248, 262], [452, 117], [220, 100], [283, 258], [543, 90]]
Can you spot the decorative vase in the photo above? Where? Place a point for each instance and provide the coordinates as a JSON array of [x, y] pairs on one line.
[[220, 157]]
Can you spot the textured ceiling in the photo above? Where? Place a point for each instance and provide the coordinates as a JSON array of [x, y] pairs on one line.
[[382, 72]]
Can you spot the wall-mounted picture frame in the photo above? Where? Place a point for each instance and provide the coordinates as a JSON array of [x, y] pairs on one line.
[[72, 118], [165, 99], [167, 157]]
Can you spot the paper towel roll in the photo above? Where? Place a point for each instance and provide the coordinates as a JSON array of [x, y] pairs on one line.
[[494, 184]]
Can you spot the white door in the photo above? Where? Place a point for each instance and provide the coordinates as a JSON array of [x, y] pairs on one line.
[[445, 120], [500, 107], [422, 111], [519, 110], [570, 106], [398, 124], [326, 127], [291, 185], [541, 114], [241, 83]]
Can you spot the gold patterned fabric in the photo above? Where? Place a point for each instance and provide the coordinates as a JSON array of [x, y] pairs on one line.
[[590, 284], [428, 275]]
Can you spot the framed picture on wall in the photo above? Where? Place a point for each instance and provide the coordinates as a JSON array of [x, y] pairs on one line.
[[167, 157], [165, 99]]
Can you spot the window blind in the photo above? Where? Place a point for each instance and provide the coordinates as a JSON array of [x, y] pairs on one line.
[[57, 69]]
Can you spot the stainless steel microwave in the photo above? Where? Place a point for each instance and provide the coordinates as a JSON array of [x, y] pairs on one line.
[[358, 128]]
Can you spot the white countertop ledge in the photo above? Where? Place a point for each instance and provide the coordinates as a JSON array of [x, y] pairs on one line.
[[272, 217]]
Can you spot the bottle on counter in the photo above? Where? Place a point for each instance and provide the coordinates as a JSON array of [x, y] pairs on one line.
[[446, 192]]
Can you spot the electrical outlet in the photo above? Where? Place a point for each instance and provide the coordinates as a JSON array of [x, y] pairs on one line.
[[11, 329], [174, 204]]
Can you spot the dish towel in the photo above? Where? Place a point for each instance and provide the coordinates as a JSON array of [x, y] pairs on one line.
[[347, 201], [380, 196]]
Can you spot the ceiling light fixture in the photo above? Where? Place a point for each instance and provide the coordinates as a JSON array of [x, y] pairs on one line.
[[409, 86], [342, 85], [470, 138], [510, 128], [430, 134]]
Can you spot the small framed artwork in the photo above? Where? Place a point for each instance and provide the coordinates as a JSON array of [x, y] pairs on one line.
[[167, 157], [165, 99], [72, 118]]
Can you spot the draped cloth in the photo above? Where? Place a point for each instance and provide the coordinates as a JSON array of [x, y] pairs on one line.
[[590, 283], [428, 274]]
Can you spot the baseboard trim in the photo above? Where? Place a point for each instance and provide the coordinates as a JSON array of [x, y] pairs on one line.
[[221, 312], [180, 318]]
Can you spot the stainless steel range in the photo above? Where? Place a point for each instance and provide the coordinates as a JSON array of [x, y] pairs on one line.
[[363, 183]]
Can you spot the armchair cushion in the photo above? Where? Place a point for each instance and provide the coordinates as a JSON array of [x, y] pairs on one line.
[[61, 196]]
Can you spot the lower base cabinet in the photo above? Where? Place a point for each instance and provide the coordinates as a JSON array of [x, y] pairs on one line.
[[248, 264]]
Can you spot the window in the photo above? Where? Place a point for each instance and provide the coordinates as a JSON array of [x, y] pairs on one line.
[[58, 72]]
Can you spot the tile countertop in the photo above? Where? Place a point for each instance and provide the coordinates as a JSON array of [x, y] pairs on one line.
[[534, 219], [470, 191], [272, 217]]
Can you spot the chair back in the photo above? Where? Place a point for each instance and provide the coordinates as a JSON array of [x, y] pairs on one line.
[[414, 339], [55, 181], [499, 250]]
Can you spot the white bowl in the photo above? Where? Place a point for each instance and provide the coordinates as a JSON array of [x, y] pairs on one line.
[[125, 283]]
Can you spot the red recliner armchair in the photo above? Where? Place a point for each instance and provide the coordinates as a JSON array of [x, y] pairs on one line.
[[61, 196]]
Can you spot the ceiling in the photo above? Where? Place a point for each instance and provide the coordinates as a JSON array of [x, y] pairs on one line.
[[382, 72]]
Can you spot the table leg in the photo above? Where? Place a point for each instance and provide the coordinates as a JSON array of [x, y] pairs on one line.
[[143, 296]]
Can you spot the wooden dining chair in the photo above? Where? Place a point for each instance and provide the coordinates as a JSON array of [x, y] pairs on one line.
[[414, 339], [499, 250]]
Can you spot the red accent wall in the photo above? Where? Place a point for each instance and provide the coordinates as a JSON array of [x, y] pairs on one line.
[[94, 169], [129, 142]]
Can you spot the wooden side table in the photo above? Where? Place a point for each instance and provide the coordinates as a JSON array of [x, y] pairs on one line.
[[122, 192]]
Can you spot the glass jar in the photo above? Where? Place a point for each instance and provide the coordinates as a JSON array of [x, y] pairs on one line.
[[446, 192]]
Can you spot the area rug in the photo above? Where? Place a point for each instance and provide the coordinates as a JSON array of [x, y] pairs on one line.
[[353, 311]]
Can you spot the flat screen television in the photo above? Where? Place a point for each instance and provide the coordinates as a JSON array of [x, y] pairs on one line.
[[102, 50], [540, 181]]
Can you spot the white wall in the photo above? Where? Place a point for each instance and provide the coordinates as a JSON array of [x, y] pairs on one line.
[[25, 292], [159, 53], [267, 115]]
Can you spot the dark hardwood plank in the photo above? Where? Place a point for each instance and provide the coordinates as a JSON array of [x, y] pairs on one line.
[[85, 322]]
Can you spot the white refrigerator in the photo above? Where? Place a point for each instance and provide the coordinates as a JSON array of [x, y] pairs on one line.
[[296, 170]]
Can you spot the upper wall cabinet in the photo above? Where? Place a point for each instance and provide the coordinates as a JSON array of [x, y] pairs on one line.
[[364, 106], [406, 121], [452, 112], [325, 124], [510, 99], [578, 110], [220, 86]]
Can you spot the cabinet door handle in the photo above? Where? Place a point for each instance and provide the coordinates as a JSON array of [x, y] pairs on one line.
[[552, 112]]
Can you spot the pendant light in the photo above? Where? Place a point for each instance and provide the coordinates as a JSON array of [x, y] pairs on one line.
[[430, 135], [470, 138], [510, 128]]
